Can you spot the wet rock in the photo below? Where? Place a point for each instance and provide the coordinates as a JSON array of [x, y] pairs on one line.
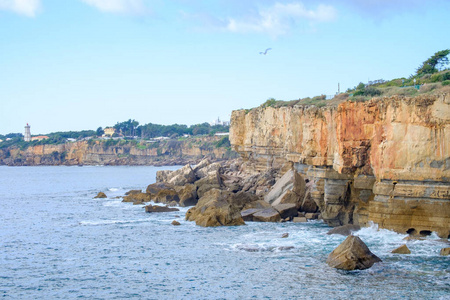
[[133, 192], [267, 215], [286, 210], [216, 208], [445, 251], [155, 208], [403, 249], [188, 195], [166, 196], [101, 195], [285, 235], [137, 198], [299, 220], [345, 229], [352, 254], [175, 223]]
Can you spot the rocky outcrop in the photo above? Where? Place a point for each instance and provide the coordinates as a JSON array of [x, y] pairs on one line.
[[156, 209], [118, 152], [101, 195], [403, 249], [385, 160], [352, 254]]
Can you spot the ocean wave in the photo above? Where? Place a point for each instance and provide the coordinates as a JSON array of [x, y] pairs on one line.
[[111, 222]]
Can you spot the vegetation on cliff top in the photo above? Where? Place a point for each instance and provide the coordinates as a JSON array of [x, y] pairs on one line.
[[432, 76]]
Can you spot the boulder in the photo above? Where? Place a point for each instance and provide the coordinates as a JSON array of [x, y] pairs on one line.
[[299, 220], [179, 177], [261, 204], [312, 216], [285, 183], [216, 208], [101, 195], [166, 196], [345, 229], [445, 251], [210, 169], [154, 188], [137, 198], [202, 164], [285, 235], [286, 210], [403, 249], [175, 223], [155, 208], [267, 215], [188, 195], [247, 214], [133, 192], [212, 181], [308, 205], [352, 254]]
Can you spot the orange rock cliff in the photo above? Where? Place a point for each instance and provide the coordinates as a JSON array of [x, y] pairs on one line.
[[384, 161]]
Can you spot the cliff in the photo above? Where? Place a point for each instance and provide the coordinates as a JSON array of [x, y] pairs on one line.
[[170, 152], [385, 160]]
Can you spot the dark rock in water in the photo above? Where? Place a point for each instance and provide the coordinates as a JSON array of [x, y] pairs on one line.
[[137, 198], [345, 229], [285, 235], [155, 208], [403, 249], [284, 248], [133, 192], [352, 254], [100, 195], [175, 223], [216, 208], [445, 251], [267, 215], [287, 210], [247, 214]]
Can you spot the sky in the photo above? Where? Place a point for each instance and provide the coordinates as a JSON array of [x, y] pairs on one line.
[[70, 65]]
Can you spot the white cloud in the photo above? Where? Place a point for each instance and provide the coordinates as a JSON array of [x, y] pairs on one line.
[[118, 6], [24, 7], [279, 18]]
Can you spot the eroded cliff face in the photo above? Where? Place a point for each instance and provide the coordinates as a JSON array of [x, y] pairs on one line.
[[386, 160], [98, 153]]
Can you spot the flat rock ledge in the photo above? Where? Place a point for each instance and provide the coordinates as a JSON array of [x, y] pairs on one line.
[[352, 254]]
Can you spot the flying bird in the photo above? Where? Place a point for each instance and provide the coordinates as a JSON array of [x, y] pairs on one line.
[[265, 52]]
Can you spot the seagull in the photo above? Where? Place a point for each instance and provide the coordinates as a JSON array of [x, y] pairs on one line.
[[265, 52]]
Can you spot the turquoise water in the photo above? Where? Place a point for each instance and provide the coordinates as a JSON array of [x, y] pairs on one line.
[[57, 242]]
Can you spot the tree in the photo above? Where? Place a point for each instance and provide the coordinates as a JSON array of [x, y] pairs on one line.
[[100, 131], [429, 66]]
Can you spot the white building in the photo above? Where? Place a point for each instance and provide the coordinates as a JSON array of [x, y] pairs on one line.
[[219, 122]]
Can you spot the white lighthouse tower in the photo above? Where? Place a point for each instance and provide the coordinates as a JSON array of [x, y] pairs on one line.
[[27, 136]]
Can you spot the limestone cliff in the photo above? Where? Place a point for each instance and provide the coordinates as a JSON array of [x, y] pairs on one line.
[[385, 160], [123, 153]]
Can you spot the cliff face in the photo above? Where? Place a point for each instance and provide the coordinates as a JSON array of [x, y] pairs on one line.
[[85, 153], [386, 160]]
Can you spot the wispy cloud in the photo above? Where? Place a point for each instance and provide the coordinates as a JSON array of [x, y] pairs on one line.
[[279, 18], [28, 8], [118, 6]]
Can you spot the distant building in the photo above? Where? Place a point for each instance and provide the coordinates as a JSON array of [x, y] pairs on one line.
[[219, 122], [27, 136], [39, 138], [109, 131]]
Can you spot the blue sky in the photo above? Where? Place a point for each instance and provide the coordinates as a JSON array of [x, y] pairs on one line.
[[81, 64]]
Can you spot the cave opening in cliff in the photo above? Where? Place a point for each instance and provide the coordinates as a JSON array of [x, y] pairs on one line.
[[411, 231], [425, 232]]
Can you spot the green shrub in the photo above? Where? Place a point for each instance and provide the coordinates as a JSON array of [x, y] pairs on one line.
[[446, 82]]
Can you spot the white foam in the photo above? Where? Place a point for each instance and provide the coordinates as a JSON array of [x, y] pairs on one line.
[[109, 222]]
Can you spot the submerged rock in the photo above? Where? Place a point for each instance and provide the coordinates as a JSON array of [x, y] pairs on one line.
[[352, 254], [445, 251], [403, 249], [155, 208], [137, 197], [345, 229], [101, 195], [175, 223]]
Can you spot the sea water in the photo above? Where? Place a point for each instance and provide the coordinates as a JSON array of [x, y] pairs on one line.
[[58, 242]]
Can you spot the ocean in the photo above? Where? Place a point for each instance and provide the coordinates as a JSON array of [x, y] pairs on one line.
[[58, 242]]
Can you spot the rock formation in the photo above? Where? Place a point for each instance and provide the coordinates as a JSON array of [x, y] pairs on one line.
[[352, 254], [403, 249], [386, 160]]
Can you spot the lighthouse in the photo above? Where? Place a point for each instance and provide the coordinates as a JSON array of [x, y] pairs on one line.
[[27, 136]]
